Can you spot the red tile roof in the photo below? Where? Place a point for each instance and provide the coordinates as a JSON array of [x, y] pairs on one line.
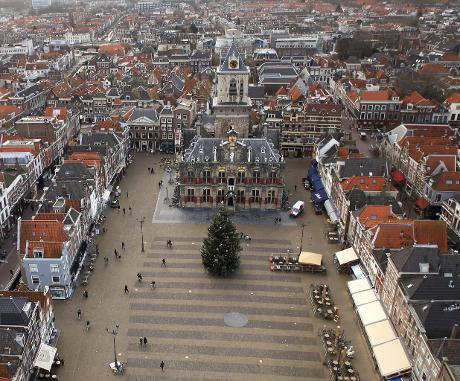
[[367, 183]]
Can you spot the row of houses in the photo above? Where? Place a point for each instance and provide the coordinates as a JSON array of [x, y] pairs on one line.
[[52, 244], [407, 261]]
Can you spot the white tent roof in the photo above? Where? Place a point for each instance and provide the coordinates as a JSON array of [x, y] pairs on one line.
[[380, 332], [364, 297], [45, 356], [371, 313], [346, 256], [358, 285], [391, 358], [307, 258]]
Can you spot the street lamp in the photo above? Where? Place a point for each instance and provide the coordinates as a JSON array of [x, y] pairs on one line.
[[141, 222], [114, 333], [301, 237]]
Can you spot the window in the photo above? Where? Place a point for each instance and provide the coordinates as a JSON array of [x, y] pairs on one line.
[[33, 268], [255, 193], [206, 177], [190, 176], [232, 91], [438, 197], [241, 177], [207, 195], [190, 195], [54, 268], [270, 199], [35, 279], [56, 279], [222, 178], [170, 135], [273, 177], [38, 253], [240, 196], [256, 176], [220, 195]]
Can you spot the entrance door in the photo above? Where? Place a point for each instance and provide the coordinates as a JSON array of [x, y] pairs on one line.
[[230, 201]]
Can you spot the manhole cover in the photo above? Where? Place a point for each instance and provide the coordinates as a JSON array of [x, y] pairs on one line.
[[235, 319]]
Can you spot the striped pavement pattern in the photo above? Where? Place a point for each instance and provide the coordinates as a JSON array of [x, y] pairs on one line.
[[183, 319]]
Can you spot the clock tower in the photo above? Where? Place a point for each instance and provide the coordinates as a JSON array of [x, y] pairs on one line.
[[231, 104]]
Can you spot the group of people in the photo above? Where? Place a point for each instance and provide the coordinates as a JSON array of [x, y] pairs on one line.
[[160, 184], [151, 171], [169, 244], [244, 237], [277, 220]]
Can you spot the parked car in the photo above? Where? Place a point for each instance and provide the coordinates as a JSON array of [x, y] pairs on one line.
[[362, 135], [297, 208]]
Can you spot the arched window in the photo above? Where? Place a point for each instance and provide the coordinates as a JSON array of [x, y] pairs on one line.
[[232, 90]]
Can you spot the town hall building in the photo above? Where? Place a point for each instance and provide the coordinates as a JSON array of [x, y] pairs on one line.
[[240, 173]]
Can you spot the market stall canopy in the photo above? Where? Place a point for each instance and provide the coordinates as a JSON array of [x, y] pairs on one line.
[[380, 332], [346, 256], [319, 196], [45, 356], [313, 259], [364, 297], [358, 285], [391, 358], [331, 212], [371, 313]]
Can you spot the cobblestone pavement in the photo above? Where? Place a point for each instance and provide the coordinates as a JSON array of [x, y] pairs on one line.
[[183, 317]]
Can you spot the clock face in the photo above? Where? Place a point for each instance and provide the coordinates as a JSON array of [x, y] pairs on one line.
[[233, 64]]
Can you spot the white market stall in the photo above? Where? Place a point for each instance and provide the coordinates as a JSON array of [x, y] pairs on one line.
[[391, 359], [345, 259], [364, 297], [358, 285], [371, 313], [380, 332]]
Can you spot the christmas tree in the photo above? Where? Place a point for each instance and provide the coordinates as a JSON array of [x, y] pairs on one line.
[[220, 250]]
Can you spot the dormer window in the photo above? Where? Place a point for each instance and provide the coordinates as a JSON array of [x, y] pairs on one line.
[[38, 252]]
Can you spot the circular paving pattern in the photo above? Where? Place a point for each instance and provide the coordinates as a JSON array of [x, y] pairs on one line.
[[235, 319]]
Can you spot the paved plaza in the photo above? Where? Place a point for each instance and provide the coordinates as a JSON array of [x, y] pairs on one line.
[[255, 325]]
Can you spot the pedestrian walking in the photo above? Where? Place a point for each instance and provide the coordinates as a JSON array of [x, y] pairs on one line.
[[88, 325], [162, 365], [79, 314], [141, 341], [115, 253], [159, 184], [85, 294], [130, 210], [149, 170], [124, 211], [241, 235], [295, 187], [106, 260], [145, 340], [163, 262], [126, 289], [152, 284], [11, 273], [126, 194], [139, 277], [122, 245], [153, 171]]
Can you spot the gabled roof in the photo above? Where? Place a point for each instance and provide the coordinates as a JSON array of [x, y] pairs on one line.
[[446, 181], [363, 167], [233, 52], [367, 183]]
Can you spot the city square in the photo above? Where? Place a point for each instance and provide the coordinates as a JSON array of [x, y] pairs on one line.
[[187, 318]]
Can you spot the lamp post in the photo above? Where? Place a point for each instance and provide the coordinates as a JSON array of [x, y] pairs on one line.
[[114, 333], [301, 238], [141, 222]]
